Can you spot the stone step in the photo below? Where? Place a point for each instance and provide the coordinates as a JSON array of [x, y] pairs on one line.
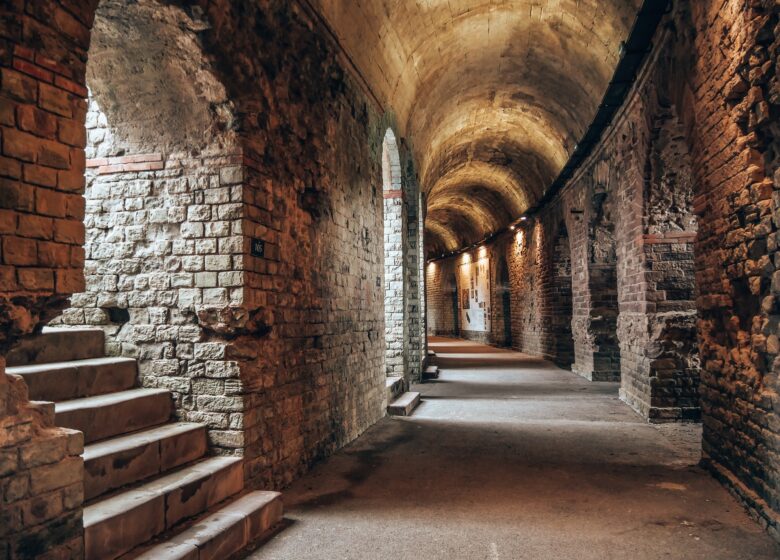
[[395, 386], [60, 381], [405, 404], [224, 533], [431, 372], [124, 460], [105, 416], [125, 521], [58, 345]]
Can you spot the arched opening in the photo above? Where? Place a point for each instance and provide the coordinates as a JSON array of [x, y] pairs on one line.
[[162, 187], [441, 299], [504, 309], [394, 261], [560, 305], [452, 288]]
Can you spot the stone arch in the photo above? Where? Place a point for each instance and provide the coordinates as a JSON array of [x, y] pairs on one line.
[[396, 327], [559, 298]]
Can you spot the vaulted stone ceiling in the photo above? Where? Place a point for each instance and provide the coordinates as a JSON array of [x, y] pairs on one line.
[[492, 94]]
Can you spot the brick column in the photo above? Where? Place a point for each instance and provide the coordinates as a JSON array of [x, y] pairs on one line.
[[42, 137]]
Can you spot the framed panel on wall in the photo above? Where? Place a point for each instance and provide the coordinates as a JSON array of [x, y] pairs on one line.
[[474, 283]]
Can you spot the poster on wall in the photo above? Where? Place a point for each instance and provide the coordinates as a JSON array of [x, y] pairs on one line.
[[474, 284]]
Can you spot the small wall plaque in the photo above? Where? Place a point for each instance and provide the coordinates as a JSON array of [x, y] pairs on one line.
[[258, 248]]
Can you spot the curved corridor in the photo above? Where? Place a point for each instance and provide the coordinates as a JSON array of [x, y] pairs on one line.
[[511, 457]]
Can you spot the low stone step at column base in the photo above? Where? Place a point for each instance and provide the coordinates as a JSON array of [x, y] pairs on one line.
[[405, 404], [431, 372]]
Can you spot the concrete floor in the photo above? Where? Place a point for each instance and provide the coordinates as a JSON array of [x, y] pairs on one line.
[[509, 457]]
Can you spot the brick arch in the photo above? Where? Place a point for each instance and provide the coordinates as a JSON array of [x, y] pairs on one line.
[[559, 299], [671, 226], [94, 44]]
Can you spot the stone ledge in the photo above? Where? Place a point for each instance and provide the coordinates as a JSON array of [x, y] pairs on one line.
[[756, 506]]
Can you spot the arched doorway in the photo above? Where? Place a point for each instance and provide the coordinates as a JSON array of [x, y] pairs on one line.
[[394, 261]]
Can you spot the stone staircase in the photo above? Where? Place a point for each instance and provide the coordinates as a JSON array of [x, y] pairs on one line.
[[151, 489]]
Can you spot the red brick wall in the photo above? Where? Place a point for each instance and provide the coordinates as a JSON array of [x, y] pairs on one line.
[[42, 107], [42, 110], [734, 104]]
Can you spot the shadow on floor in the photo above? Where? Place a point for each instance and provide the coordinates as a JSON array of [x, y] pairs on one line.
[[514, 461]]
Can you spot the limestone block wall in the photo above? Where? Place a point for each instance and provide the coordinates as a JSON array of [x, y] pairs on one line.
[[164, 249], [402, 261]]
